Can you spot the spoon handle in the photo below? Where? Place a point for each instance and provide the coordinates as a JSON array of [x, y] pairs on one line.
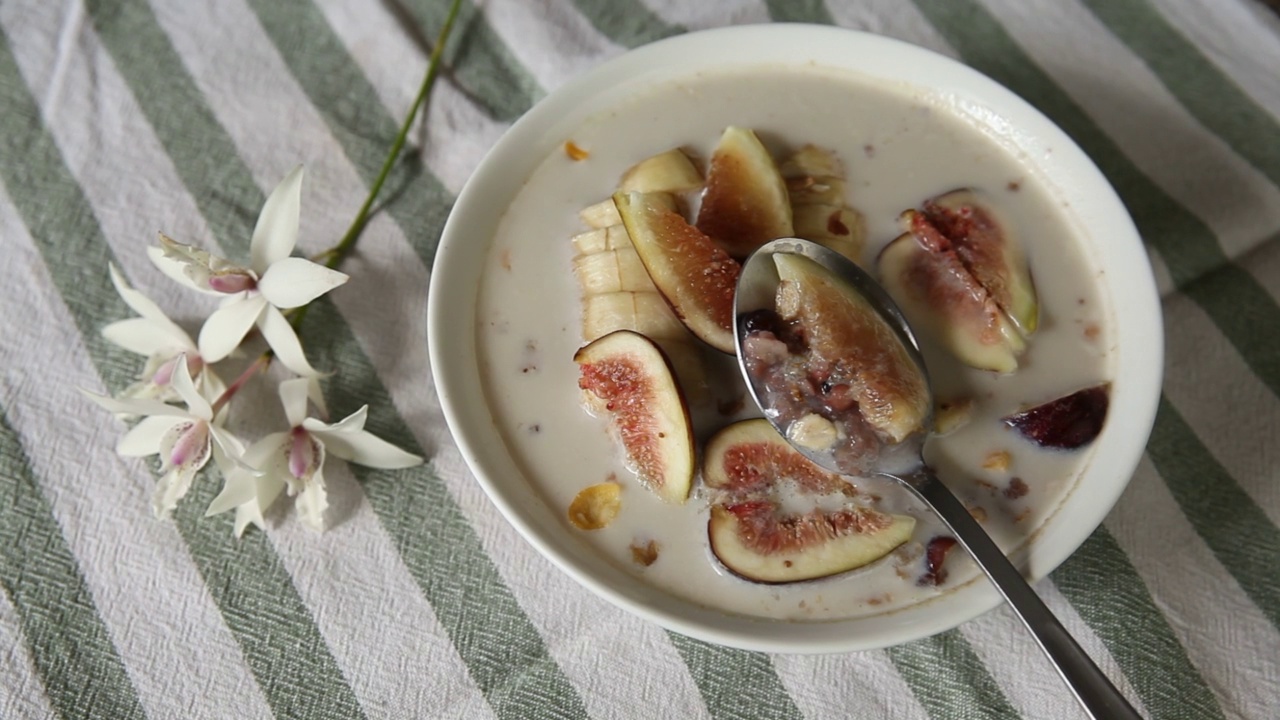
[[1091, 687]]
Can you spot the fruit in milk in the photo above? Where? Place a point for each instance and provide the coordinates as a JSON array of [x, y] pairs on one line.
[[959, 274], [1066, 423], [780, 518], [625, 377], [746, 202]]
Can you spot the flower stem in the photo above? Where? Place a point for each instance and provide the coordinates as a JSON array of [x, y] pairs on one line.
[[263, 361], [336, 254]]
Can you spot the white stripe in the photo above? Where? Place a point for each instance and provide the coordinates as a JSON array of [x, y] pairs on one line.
[[550, 38], [702, 16], [457, 132], [137, 569], [862, 685], [1226, 637], [22, 695], [1129, 103], [1021, 670], [1241, 38], [1233, 413], [384, 273]]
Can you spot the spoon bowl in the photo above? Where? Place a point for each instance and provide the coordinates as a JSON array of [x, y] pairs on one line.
[[903, 461]]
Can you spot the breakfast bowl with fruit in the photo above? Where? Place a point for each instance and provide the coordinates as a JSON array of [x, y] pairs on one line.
[[582, 334]]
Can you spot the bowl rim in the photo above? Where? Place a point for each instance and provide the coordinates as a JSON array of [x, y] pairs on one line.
[[454, 362]]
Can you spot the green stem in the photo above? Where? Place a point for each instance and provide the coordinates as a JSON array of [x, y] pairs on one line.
[[339, 252]]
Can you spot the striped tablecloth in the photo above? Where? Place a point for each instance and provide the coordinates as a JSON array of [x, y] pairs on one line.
[[119, 118]]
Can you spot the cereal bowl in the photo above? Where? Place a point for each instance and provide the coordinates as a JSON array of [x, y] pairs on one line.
[[504, 312]]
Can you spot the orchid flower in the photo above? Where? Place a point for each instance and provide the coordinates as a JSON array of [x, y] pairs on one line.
[[153, 335], [255, 295], [185, 438], [295, 459]]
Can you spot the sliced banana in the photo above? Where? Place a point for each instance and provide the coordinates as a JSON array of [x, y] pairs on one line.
[[816, 187]]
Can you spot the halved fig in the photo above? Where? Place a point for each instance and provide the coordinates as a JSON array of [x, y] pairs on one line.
[[627, 378], [849, 343], [671, 171], [749, 456], [756, 539], [990, 251], [695, 276], [1066, 423], [745, 204], [929, 282]]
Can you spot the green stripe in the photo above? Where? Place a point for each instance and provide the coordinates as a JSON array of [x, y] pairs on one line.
[[1186, 244], [803, 11], [69, 644], [949, 679], [357, 119], [479, 63], [503, 651], [1204, 90], [1109, 594], [287, 654], [735, 683], [1240, 535], [628, 24]]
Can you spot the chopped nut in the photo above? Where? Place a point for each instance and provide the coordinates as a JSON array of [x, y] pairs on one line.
[[952, 414], [596, 506], [813, 432], [574, 152], [646, 554], [1017, 488], [998, 460], [978, 512]]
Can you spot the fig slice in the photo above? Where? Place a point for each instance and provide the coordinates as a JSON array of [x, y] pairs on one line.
[[756, 542], [695, 276], [671, 171], [926, 278], [745, 204], [990, 251], [1067, 423], [756, 473], [625, 377], [849, 343]]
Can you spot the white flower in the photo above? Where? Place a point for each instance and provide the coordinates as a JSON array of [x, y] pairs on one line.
[[184, 438], [295, 460], [255, 295], [159, 339]]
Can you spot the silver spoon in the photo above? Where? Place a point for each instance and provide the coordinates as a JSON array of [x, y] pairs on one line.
[[756, 289]]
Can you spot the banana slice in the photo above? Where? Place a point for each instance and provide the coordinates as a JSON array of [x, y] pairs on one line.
[[613, 237], [816, 188], [612, 271]]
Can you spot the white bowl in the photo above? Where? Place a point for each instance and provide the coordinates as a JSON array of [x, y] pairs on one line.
[[1112, 241]]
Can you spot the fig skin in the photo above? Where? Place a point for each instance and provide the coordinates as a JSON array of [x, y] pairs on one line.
[[991, 251], [1067, 423], [694, 275], [754, 540], [671, 171], [926, 278], [627, 378], [848, 339], [746, 203]]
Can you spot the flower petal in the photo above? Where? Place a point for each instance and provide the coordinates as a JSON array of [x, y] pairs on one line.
[[228, 325], [144, 438], [312, 502], [363, 448], [171, 487], [175, 270], [316, 394], [186, 389], [284, 342], [349, 424], [276, 231], [136, 406], [146, 337], [238, 488], [293, 395], [145, 306], [295, 281]]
